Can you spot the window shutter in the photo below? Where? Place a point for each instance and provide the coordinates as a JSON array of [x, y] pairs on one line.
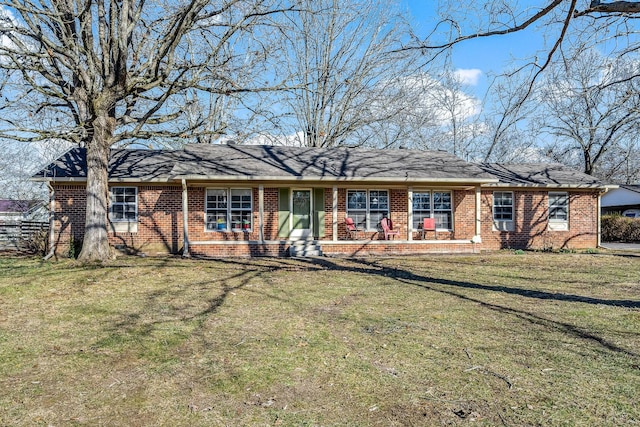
[[318, 210], [283, 212]]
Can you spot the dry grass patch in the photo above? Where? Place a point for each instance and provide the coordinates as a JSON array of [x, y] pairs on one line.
[[500, 339]]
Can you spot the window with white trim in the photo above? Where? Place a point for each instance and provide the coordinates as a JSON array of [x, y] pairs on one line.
[[503, 206], [228, 209], [432, 204], [367, 207], [421, 208], [124, 204], [558, 207]]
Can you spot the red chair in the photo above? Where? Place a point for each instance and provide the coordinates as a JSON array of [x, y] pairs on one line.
[[429, 224], [352, 229], [387, 227]]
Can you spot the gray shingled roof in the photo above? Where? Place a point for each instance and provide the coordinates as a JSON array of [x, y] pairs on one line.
[[340, 163], [134, 165], [263, 163], [539, 174]]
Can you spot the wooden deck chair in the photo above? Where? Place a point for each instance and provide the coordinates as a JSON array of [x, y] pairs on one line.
[[429, 224], [352, 229], [387, 227]]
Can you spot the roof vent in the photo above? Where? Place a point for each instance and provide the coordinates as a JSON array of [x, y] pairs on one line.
[[231, 142]]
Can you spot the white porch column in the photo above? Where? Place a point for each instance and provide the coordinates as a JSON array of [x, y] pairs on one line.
[[410, 214], [478, 211], [261, 212], [334, 220], [185, 219]]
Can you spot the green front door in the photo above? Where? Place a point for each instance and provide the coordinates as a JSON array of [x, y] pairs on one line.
[[301, 225]]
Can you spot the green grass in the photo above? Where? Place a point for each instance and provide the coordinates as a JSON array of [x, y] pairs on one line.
[[499, 339]]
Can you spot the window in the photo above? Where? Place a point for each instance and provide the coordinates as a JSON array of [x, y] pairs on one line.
[[367, 208], [433, 204], [503, 206], [442, 209], [558, 207], [124, 204], [224, 215], [421, 208], [378, 207]]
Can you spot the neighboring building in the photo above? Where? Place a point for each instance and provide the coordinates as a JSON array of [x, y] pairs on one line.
[[238, 200], [624, 200], [18, 210]]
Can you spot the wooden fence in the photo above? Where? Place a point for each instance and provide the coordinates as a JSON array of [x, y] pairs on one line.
[[23, 235]]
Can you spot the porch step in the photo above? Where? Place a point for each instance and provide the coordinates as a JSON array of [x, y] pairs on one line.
[[305, 248]]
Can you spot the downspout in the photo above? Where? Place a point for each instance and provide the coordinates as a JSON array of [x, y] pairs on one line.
[[52, 235], [185, 219]]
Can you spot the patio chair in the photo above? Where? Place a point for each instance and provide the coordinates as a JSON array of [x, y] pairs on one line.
[[387, 227], [352, 229], [429, 224]]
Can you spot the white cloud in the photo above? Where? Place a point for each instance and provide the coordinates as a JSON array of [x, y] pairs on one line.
[[468, 76]]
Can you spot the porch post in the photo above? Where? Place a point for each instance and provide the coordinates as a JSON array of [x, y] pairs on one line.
[[334, 220], [410, 214], [185, 220], [478, 211], [261, 212]]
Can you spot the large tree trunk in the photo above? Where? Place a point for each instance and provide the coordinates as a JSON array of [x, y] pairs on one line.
[[95, 246]]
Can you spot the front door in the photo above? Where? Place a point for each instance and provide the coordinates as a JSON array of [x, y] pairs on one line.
[[301, 225]]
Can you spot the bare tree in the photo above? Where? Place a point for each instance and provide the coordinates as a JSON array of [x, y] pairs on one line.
[[340, 56], [592, 111], [509, 135], [594, 21], [103, 72]]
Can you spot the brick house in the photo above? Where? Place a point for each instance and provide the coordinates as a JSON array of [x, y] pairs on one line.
[[239, 200]]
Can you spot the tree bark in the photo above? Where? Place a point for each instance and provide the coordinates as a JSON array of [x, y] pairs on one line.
[[95, 246]]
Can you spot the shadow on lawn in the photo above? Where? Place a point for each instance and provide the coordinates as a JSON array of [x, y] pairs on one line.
[[160, 306], [248, 270], [430, 283]]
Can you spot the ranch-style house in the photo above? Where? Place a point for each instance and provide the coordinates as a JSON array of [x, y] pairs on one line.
[[249, 200]]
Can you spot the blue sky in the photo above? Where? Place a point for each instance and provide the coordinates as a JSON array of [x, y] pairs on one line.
[[490, 55]]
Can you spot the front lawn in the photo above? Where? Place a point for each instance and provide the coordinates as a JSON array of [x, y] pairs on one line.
[[498, 339]]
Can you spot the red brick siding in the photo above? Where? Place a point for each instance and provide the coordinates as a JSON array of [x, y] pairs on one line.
[[398, 247], [69, 215], [464, 208], [531, 231], [271, 213], [160, 224]]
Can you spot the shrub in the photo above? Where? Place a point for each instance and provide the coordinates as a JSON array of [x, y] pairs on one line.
[[633, 233], [36, 243], [619, 228]]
